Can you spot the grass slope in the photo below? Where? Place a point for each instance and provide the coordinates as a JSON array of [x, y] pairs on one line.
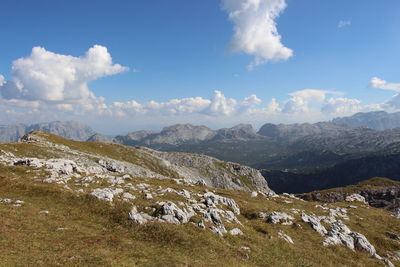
[[82, 231]]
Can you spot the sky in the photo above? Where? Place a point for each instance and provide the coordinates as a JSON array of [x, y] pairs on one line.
[[122, 65]]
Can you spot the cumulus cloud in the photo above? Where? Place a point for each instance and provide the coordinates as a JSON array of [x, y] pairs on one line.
[[55, 78], [344, 23], [255, 31], [342, 106], [300, 100], [384, 85], [273, 107], [1, 80]]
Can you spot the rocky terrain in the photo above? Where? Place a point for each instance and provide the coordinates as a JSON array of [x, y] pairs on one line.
[[103, 204], [378, 120], [377, 192], [69, 129]]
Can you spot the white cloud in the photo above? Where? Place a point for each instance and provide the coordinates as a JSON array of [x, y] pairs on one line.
[[251, 101], [255, 31], [342, 106], [393, 104], [344, 23], [2, 81], [310, 94], [221, 105], [55, 78], [300, 100], [382, 84], [273, 106]]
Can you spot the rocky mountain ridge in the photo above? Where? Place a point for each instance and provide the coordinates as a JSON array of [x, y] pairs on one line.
[[181, 134], [138, 162], [378, 120], [69, 129]]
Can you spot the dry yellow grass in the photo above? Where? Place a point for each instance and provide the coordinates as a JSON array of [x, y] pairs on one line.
[[96, 233]]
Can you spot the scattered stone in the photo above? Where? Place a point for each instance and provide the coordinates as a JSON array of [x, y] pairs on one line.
[[315, 222], [201, 182], [215, 216], [280, 217], [339, 212], [173, 214], [362, 244], [262, 215], [285, 237], [106, 194], [6, 200], [184, 193], [45, 212], [339, 234], [396, 213], [201, 224], [322, 207], [136, 217], [254, 194], [219, 229], [388, 263], [211, 200], [148, 196], [356, 197], [128, 196], [236, 231], [353, 207], [392, 235]]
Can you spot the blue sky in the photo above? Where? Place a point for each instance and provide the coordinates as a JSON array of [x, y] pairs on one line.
[[183, 49]]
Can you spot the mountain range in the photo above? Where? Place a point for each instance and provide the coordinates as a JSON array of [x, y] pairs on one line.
[[378, 120], [69, 129], [295, 158]]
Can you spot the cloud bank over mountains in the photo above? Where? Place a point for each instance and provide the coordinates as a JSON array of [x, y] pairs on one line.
[[46, 86], [255, 31]]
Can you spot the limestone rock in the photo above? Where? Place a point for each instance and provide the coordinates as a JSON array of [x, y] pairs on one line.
[[236, 231], [280, 217], [315, 223], [173, 214], [361, 243], [211, 200], [106, 194], [128, 196], [356, 197], [148, 196], [219, 229], [136, 217], [396, 213], [285, 237]]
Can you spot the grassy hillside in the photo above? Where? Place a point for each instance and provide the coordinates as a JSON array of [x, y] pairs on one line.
[[61, 225]]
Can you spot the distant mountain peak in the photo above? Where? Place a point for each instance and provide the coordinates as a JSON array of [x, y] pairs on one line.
[[378, 120], [73, 130]]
